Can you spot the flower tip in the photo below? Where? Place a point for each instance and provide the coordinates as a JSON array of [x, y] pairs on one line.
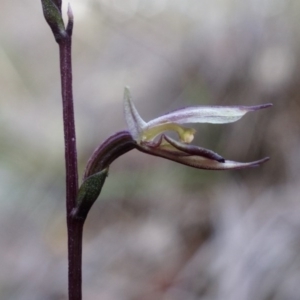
[[268, 105], [260, 162], [126, 91], [262, 106], [70, 12], [69, 28], [127, 94], [134, 121]]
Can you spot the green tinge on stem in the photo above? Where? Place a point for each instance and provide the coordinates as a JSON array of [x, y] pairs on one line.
[[88, 194], [58, 3], [52, 14]]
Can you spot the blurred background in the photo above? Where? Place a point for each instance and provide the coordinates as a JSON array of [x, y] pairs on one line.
[[160, 230]]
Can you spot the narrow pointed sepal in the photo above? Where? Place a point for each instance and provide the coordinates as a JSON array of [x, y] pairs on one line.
[[133, 119], [199, 162], [88, 194], [208, 164]]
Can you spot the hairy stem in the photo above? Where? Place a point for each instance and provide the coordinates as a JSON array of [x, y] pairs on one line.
[[75, 226]]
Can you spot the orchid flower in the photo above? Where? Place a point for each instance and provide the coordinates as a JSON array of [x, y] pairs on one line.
[[151, 137]]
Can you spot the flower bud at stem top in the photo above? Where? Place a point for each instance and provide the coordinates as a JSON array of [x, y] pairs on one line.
[[53, 17]]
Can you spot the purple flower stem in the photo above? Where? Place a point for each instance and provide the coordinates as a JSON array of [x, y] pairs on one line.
[[75, 226]]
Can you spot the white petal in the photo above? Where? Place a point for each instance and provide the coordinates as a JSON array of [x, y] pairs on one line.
[[134, 121], [206, 114]]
